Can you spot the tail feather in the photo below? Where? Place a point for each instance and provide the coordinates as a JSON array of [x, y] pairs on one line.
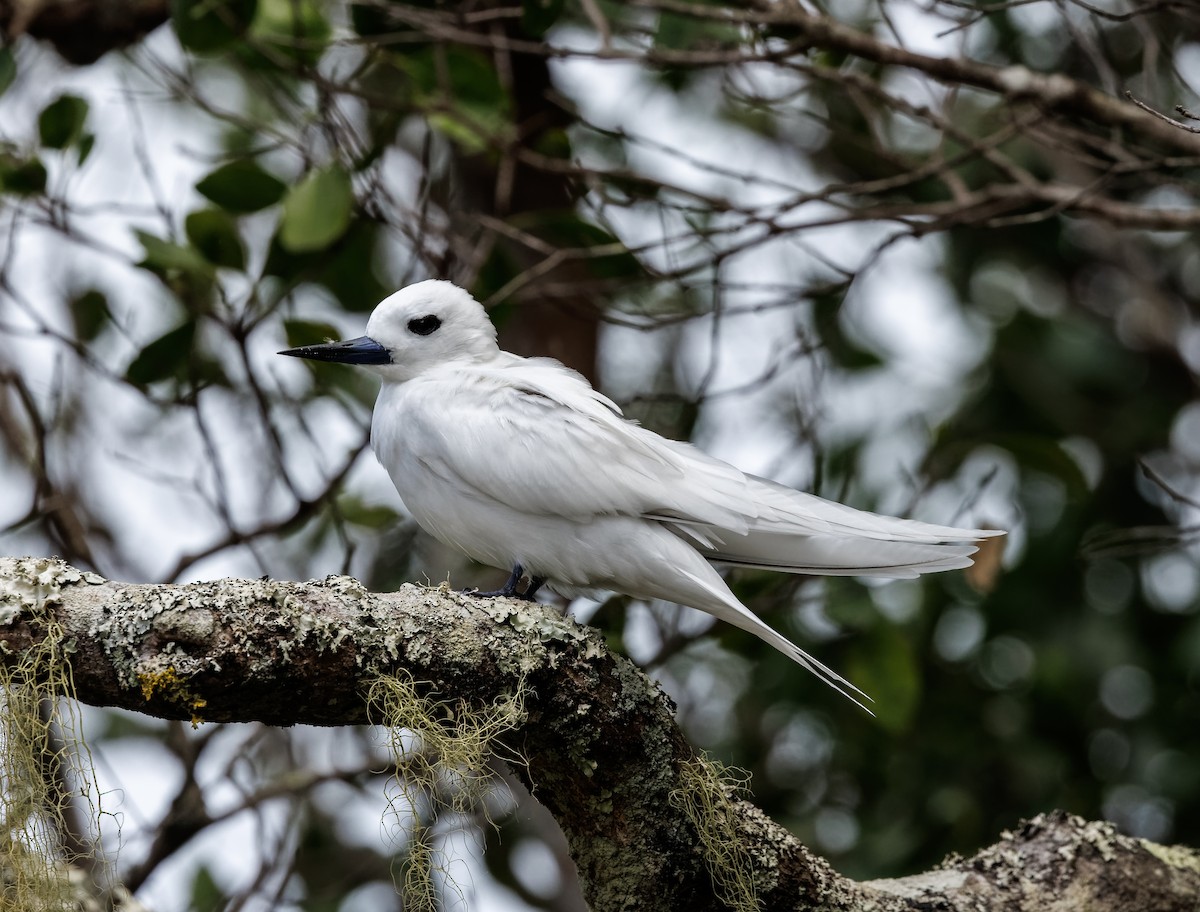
[[795, 512], [706, 498], [726, 607], [838, 555], [787, 530]]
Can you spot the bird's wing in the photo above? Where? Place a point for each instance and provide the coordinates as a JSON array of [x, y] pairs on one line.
[[795, 532], [537, 438]]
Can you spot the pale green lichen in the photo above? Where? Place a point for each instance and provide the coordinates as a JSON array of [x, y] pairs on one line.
[[705, 795], [195, 626], [441, 750], [290, 617], [28, 583], [926, 887], [1184, 858], [1101, 836], [39, 732]]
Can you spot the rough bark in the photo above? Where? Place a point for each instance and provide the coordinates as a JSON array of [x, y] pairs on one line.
[[602, 751]]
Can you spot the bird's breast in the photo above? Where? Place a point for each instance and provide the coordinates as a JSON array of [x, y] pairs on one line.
[[404, 438]]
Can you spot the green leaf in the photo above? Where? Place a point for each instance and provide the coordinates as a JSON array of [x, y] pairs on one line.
[[316, 211], [211, 25], [164, 256], [607, 256], [369, 19], [22, 178], [297, 28], [474, 109], [90, 313], [849, 604], [214, 233], [1036, 452], [242, 186], [165, 357], [678, 32], [374, 18], [347, 269], [8, 68], [61, 122], [554, 143], [86, 143], [207, 371], [206, 894], [465, 134]]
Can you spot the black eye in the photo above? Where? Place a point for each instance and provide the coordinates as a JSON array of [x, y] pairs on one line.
[[423, 326]]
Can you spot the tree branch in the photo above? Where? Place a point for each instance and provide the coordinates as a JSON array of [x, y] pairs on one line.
[[601, 749], [1053, 92]]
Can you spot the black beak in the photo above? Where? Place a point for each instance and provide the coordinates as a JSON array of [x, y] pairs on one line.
[[363, 350]]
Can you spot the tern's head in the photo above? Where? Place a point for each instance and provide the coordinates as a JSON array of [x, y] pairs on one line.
[[418, 328]]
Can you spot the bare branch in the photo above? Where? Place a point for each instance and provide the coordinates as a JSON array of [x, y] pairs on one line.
[[1161, 116]]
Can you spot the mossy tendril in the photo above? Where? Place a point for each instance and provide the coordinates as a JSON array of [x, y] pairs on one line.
[[42, 752], [441, 750], [706, 797]]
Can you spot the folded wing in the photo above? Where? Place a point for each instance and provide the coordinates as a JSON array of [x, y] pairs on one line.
[[795, 532]]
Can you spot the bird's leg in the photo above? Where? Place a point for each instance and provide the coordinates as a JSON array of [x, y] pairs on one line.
[[535, 583], [510, 587]]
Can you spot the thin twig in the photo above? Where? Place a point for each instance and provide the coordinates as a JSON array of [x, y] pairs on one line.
[[1161, 116]]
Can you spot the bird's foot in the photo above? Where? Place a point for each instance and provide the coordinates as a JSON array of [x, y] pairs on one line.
[[510, 587]]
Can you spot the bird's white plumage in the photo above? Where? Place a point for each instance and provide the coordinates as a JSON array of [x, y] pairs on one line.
[[516, 460]]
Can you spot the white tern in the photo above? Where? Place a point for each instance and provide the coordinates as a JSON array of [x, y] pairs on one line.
[[522, 465]]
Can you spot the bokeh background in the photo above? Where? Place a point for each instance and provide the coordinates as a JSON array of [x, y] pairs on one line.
[[838, 257]]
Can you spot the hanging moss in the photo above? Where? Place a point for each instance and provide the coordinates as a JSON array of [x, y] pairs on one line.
[[441, 750], [706, 797], [42, 751]]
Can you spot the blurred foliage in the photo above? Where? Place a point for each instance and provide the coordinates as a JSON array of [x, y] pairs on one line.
[[241, 186], [61, 122], [272, 171], [316, 212]]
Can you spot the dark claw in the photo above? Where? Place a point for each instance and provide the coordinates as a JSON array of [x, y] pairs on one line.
[[510, 587]]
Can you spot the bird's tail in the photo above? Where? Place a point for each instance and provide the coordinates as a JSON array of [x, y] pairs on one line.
[[724, 604], [841, 555], [796, 532], [768, 526]]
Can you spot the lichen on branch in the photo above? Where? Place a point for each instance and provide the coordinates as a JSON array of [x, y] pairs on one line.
[[442, 750], [598, 744], [44, 763]]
